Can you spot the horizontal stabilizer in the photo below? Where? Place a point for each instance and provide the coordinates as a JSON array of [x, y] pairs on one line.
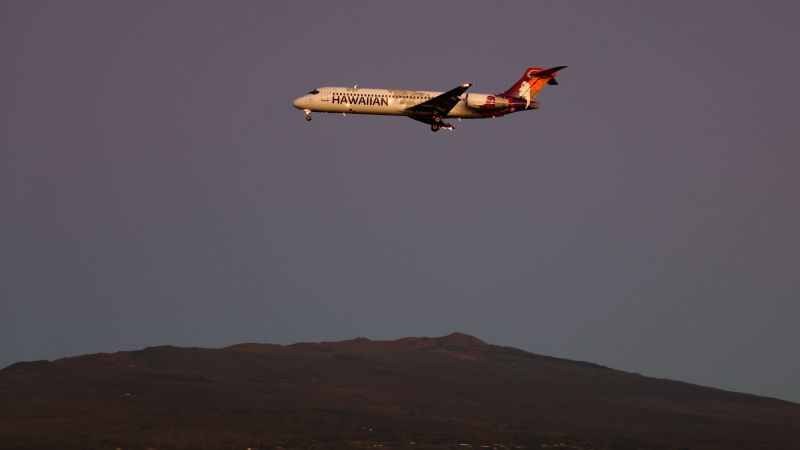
[[547, 73]]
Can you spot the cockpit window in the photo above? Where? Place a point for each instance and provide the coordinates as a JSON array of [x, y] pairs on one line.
[[314, 92]]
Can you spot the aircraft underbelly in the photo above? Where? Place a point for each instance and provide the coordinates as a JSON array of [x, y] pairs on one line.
[[391, 109], [396, 108]]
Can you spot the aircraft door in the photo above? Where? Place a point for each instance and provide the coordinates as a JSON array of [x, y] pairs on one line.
[[325, 95]]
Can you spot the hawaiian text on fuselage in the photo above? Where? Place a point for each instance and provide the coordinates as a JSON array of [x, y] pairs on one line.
[[359, 100]]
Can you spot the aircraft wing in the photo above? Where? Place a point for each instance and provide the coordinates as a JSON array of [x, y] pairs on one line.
[[437, 106]]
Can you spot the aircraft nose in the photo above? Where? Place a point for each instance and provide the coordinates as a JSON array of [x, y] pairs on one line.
[[298, 102]]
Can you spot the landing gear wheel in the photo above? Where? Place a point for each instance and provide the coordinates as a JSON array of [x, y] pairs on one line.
[[308, 117], [434, 127], [437, 119]]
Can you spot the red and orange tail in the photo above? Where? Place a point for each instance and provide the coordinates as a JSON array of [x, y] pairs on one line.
[[532, 82]]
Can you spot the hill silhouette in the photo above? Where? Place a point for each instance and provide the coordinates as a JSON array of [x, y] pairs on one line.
[[454, 391]]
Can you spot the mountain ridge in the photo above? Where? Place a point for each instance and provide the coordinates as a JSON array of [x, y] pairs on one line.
[[435, 392]]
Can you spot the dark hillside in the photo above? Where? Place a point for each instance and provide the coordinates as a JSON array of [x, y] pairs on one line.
[[434, 392]]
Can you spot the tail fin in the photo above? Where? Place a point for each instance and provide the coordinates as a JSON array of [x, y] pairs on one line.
[[532, 82]]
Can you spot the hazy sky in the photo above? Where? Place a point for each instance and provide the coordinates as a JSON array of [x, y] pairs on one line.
[[157, 186]]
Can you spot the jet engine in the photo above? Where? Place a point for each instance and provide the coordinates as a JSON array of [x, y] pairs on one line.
[[483, 101]]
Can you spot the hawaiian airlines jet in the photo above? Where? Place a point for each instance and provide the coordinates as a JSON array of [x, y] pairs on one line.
[[430, 107]]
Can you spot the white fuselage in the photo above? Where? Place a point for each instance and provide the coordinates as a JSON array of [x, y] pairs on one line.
[[353, 100]]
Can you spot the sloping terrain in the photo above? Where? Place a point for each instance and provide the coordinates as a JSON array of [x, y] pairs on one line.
[[449, 392]]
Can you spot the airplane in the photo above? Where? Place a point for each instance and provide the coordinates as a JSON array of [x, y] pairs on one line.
[[430, 107]]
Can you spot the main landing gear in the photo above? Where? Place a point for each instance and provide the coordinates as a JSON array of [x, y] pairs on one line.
[[308, 115], [438, 124]]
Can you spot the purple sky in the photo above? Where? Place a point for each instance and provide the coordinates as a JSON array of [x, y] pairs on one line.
[[157, 186]]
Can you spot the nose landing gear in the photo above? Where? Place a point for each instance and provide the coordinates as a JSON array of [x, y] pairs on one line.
[[308, 115]]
